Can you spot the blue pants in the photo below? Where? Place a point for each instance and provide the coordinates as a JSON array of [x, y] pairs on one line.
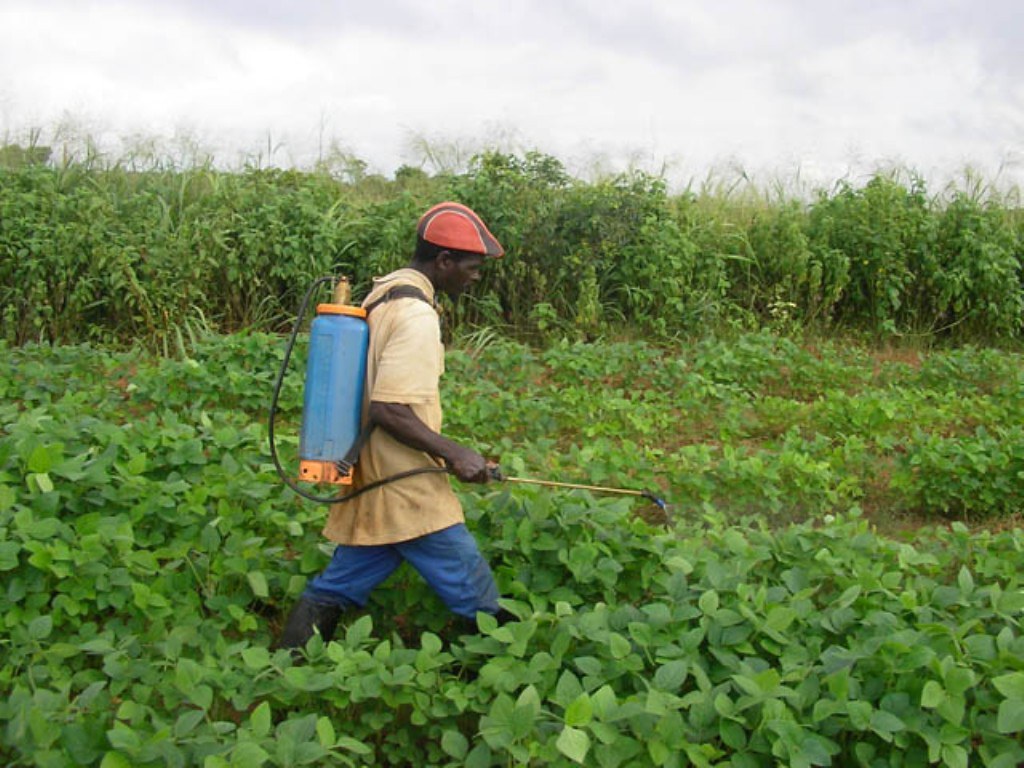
[[448, 560]]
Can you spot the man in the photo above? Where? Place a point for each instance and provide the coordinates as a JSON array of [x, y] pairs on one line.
[[418, 519]]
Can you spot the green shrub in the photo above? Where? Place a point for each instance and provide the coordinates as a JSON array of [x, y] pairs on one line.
[[877, 237], [967, 476], [977, 280], [116, 254]]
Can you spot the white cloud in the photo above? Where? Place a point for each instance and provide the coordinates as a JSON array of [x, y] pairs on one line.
[[772, 86]]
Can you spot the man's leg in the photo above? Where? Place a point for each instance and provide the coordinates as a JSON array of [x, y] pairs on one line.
[[352, 574], [450, 562], [348, 580]]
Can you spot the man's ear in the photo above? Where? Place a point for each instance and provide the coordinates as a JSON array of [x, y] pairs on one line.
[[444, 260]]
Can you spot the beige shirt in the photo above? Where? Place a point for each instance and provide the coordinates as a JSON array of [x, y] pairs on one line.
[[404, 365]]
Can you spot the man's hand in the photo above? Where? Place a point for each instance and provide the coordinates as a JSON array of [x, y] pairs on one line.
[[468, 465]]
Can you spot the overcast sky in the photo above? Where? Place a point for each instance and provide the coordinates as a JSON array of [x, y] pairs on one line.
[[827, 88]]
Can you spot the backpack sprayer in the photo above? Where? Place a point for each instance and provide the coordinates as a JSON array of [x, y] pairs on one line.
[[332, 434]]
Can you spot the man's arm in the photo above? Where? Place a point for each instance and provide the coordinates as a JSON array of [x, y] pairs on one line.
[[399, 421]]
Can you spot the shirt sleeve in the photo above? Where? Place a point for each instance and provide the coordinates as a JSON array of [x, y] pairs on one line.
[[410, 364]]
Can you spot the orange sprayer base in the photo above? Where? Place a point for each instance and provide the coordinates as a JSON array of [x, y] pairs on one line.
[[311, 471]]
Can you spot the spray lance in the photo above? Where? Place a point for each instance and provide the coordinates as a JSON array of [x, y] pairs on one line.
[[496, 474], [332, 435]]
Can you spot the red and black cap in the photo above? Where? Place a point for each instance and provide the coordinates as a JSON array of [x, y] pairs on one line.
[[452, 225]]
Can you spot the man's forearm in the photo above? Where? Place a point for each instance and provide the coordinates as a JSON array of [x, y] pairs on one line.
[[399, 421]]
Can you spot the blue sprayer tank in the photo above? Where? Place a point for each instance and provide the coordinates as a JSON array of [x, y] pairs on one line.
[[333, 400]]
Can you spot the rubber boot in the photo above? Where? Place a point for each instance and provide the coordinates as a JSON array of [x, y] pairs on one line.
[[307, 617]]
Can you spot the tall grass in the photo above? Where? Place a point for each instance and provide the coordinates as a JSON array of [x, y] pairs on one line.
[[139, 251]]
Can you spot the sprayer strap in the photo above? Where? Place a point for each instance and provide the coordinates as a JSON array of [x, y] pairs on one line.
[[353, 453], [398, 292]]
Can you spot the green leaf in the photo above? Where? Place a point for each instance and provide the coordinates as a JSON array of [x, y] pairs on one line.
[[137, 464], [848, 597], [604, 702], [527, 710], [724, 706], [352, 745], [981, 647], [123, 738], [885, 724], [9, 555], [248, 754], [115, 760], [256, 657], [826, 708], [749, 685], [260, 720], [201, 696], [40, 627], [430, 643], [325, 732], [658, 751], [187, 722], [670, 677], [187, 675], [658, 703], [45, 731], [98, 645], [1006, 760], [574, 744], [620, 646], [732, 734], [588, 665], [1011, 716], [580, 712], [496, 725], [486, 622], [529, 700], [965, 581], [360, 630], [932, 695], [454, 744], [708, 602], [43, 481], [7, 497], [479, 757], [954, 756], [567, 689], [258, 583], [958, 680], [41, 460], [1011, 601], [818, 750], [679, 563], [1011, 685], [779, 618]]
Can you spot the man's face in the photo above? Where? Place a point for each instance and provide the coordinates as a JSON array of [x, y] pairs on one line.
[[458, 274]]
